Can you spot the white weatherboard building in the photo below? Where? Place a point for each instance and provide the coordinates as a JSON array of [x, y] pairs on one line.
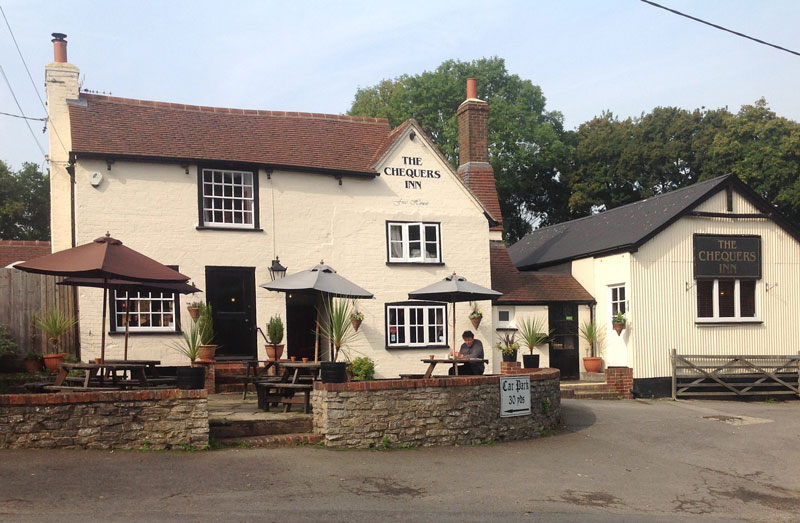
[[708, 269], [220, 193]]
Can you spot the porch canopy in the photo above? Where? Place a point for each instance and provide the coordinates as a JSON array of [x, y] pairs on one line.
[[452, 289], [104, 259], [322, 280]]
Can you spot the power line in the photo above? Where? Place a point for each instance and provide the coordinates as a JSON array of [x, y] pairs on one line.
[[19, 51], [24, 117], [719, 27], [14, 96]]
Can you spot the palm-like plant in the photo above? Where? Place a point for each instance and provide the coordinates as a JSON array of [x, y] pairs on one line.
[[591, 332], [191, 342], [336, 326], [533, 332], [205, 324], [54, 323]]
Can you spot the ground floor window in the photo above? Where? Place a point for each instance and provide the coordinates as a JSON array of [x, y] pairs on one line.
[[618, 303], [726, 300], [147, 311], [416, 325]]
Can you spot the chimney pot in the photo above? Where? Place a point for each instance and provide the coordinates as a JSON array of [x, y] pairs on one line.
[[472, 88], [59, 48]]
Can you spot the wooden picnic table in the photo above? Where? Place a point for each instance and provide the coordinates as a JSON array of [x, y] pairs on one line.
[[289, 382], [97, 374], [253, 365], [151, 366], [432, 362]]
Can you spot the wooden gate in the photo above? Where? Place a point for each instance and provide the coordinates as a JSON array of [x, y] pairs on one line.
[[22, 293], [716, 375]]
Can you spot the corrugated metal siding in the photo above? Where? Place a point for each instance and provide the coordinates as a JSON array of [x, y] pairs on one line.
[[661, 271]]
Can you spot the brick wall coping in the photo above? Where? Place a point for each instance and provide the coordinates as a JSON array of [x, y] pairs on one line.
[[32, 243], [461, 381], [64, 398]]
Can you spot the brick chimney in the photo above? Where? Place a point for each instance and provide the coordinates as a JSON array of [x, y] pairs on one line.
[[473, 152], [59, 48]]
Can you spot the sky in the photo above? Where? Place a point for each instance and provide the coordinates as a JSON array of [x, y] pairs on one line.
[[622, 56]]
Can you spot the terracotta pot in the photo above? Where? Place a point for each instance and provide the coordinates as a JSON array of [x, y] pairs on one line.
[[592, 364], [619, 326], [274, 352], [194, 312], [476, 321], [32, 366], [206, 352], [51, 361], [305, 360], [293, 358], [356, 323]]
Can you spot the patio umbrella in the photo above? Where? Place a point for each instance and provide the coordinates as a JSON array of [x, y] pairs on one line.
[[321, 279], [128, 287], [452, 289], [105, 259]]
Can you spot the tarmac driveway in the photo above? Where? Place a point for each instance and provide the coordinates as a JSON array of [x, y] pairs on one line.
[[612, 461]]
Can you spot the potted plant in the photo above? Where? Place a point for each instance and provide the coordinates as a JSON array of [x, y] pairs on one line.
[[533, 333], [508, 346], [194, 309], [190, 377], [205, 328], [34, 363], [356, 317], [475, 316], [618, 322], [592, 334], [275, 337], [337, 329], [54, 323], [362, 368]]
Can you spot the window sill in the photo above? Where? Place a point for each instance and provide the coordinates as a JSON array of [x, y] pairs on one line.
[[506, 328], [721, 323], [217, 228], [144, 333], [420, 347], [426, 264]]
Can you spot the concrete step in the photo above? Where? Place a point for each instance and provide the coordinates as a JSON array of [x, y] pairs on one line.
[[273, 441], [224, 429], [595, 396], [595, 377]]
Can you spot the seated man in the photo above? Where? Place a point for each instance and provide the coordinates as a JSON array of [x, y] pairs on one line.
[[471, 348]]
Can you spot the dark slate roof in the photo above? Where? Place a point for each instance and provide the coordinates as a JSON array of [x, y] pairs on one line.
[[616, 230], [532, 288]]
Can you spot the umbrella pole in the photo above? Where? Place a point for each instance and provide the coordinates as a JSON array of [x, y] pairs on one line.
[[316, 338], [127, 321], [103, 328], [455, 365]]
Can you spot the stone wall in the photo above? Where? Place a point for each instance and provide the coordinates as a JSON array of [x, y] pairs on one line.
[[157, 419], [429, 412]]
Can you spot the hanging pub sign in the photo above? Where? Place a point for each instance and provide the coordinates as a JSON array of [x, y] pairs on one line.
[[727, 256]]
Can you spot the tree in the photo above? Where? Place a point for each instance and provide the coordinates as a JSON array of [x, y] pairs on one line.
[[24, 203], [528, 147]]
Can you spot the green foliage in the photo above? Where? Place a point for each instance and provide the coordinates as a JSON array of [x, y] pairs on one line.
[[205, 324], [24, 203], [363, 368], [546, 405], [35, 357], [594, 335], [7, 344], [508, 343], [546, 433], [528, 147], [533, 332], [190, 343], [618, 318], [476, 312], [335, 326], [275, 330], [53, 323]]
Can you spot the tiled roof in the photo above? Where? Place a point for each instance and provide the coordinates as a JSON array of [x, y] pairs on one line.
[[619, 229], [22, 250], [110, 126], [480, 180], [520, 288]]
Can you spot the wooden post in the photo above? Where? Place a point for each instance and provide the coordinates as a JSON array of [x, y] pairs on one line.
[[674, 377]]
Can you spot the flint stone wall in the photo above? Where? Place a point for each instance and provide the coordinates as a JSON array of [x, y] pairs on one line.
[[430, 412], [156, 419]]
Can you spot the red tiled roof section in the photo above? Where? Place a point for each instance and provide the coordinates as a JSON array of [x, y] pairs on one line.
[[21, 250], [480, 180], [532, 287], [125, 127]]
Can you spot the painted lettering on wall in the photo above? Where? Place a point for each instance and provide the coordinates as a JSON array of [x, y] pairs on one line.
[[727, 256], [412, 172]]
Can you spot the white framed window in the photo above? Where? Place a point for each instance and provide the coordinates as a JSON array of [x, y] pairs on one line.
[[726, 301], [416, 325], [504, 318], [148, 312], [617, 300], [413, 242], [228, 198]]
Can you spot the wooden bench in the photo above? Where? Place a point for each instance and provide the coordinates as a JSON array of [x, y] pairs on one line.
[[263, 391]]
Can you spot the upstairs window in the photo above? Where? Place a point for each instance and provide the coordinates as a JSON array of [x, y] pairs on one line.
[[414, 242], [228, 198], [720, 300]]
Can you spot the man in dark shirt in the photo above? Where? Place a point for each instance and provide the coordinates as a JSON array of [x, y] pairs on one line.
[[471, 348]]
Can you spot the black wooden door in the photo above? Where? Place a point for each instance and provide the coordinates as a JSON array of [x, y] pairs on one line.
[[564, 354], [231, 293]]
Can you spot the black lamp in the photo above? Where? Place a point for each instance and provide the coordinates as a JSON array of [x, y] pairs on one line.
[[277, 271]]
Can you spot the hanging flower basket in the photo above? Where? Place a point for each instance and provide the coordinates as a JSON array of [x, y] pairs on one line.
[[356, 318], [618, 326], [194, 312], [476, 321], [356, 324]]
